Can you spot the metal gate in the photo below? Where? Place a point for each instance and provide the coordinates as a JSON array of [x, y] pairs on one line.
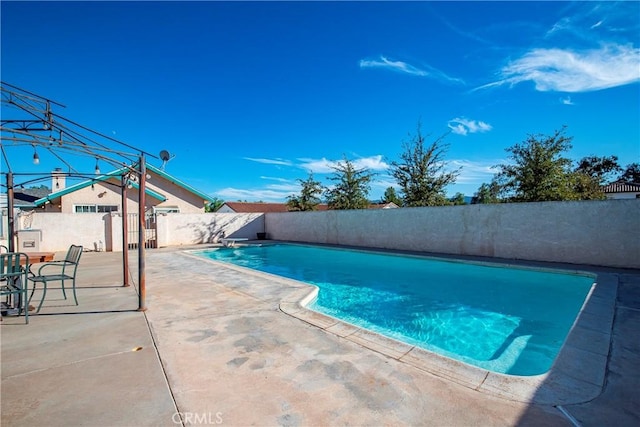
[[133, 227]]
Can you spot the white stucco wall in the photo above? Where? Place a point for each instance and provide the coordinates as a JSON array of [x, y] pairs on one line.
[[60, 230], [188, 229], [603, 233], [589, 232]]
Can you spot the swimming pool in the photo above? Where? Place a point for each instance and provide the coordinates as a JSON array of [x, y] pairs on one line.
[[507, 320]]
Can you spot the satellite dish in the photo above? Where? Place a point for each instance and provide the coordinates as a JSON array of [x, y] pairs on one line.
[[165, 157]]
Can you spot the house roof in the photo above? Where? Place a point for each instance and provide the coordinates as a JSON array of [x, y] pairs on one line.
[[117, 173], [389, 205], [179, 183], [622, 187], [57, 194], [248, 207]]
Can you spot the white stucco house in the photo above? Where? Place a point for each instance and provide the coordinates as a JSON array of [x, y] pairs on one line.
[[164, 194], [622, 190]]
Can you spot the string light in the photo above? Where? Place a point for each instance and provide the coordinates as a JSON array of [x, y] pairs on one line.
[[36, 158], [97, 168]]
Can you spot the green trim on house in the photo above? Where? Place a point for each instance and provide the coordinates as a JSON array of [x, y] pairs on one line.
[[179, 183], [84, 184]]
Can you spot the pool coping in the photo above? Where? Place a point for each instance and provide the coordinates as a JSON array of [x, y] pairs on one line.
[[576, 376]]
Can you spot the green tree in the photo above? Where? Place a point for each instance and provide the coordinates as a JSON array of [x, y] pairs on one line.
[[457, 199], [487, 193], [352, 187], [213, 205], [308, 198], [539, 171], [390, 196], [601, 169], [631, 173], [421, 174]]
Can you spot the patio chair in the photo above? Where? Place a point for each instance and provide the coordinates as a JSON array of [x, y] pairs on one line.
[[13, 282], [58, 271]]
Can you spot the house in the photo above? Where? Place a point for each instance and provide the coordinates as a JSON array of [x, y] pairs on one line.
[[247, 207], [24, 198], [164, 194], [389, 205], [622, 190]]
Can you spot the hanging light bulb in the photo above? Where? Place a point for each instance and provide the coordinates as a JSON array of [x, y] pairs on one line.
[[97, 168], [36, 158]]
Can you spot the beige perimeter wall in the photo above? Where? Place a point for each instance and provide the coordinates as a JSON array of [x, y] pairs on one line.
[[603, 233]]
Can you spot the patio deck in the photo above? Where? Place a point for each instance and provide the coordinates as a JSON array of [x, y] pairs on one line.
[[215, 348]]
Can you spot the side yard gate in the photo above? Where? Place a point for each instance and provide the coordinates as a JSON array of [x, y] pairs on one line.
[[133, 227]]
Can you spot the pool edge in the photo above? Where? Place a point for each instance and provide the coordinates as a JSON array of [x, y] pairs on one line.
[[576, 376]]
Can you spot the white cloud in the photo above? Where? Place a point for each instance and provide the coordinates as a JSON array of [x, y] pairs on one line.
[[571, 71], [324, 165], [374, 163], [272, 178], [462, 126], [567, 101], [270, 161], [404, 67], [317, 166], [393, 65], [266, 195], [473, 172]]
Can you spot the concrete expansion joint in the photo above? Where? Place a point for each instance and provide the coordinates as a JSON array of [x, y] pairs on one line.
[[486, 375], [405, 353], [568, 416], [74, 362]]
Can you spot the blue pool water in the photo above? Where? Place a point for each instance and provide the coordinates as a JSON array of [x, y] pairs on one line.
[[507, 320]]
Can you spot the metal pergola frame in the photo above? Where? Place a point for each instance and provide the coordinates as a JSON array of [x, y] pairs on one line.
[[36, 124]]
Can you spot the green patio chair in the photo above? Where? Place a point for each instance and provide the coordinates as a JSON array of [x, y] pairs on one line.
[[58, 271], [13, 281]]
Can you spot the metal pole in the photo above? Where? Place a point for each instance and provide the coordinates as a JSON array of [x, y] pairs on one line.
[[142, 236], [10, 217], [125, 233]]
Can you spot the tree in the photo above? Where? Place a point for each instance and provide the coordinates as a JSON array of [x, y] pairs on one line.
[[487, 193], [420, 173], [213, 205], [631, 173], [309, 195], [457, 199], [539, 171], [600, 169], [351, 188], [390, 196]]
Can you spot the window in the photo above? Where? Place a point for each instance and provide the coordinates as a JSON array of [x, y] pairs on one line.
[[165, 209], [96, 208]]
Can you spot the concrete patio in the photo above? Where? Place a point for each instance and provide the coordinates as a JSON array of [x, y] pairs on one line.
[[215, 347]]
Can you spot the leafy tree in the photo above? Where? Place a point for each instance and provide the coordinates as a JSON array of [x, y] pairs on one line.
[[631, 173], [539, 171], [213, 205], [420, 173], [390, 196], [351, 188], [585, 186], [457, 199], [309, 195], [600, 169], [487, 193]]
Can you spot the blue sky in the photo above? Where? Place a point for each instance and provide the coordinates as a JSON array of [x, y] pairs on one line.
[[251, 97]]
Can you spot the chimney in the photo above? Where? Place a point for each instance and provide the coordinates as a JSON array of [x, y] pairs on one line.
[[57, 180]]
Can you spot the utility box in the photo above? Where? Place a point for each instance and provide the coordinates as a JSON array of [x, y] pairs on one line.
[[29, 240]]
